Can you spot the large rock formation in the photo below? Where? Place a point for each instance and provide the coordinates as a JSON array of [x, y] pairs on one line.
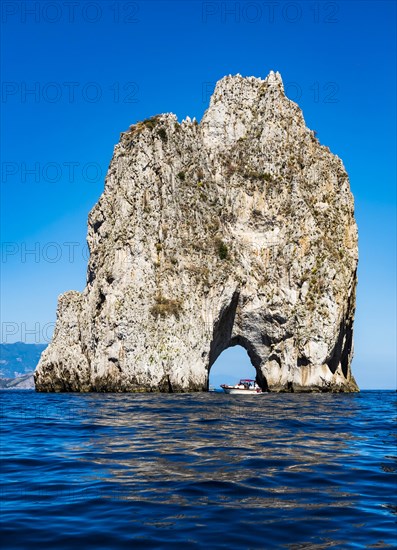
[[237, 230]]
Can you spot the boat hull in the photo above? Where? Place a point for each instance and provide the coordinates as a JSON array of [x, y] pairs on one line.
[[237, 391]]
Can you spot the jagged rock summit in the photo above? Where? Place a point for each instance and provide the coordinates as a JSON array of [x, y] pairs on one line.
[[237, 230]]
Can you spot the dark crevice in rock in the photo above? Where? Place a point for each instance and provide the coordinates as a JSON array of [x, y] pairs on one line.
[[347, 348], [343, 347], [334, 359], [348, 344], [101, 301], [223, 330], [90, 275], [116, 363], [303, 362], [275, 317], [274, 357], [96, 225]]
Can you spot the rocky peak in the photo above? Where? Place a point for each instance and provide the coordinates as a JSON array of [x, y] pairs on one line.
[[240, 104]]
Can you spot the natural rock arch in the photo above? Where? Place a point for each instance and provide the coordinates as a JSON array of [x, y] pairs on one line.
[[224, 337], [239, 229]]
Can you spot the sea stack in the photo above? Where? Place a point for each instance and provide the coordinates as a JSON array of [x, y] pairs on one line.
[[239, 229]]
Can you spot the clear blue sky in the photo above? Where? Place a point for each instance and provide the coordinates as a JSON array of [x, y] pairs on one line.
[[98, 67]]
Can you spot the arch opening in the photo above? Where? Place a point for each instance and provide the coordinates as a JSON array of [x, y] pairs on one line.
[[230, 366], [243, 362]]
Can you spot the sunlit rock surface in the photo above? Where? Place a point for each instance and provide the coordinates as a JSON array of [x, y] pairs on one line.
[[237, 230]]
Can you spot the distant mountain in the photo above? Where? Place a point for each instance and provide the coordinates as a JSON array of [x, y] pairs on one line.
[[25, 382], [19, 359]]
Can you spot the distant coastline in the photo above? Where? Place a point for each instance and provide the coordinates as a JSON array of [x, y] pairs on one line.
[[24, 382], [17, 364]]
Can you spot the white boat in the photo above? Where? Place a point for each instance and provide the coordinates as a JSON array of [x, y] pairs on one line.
[[244, 387]]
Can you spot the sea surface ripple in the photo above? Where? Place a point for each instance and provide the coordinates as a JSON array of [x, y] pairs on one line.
[[198, 471]]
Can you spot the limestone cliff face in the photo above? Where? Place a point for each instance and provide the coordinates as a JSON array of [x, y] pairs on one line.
[[237, 230]]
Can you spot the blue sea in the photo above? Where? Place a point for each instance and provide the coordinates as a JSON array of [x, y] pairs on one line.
[[109, 471]]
